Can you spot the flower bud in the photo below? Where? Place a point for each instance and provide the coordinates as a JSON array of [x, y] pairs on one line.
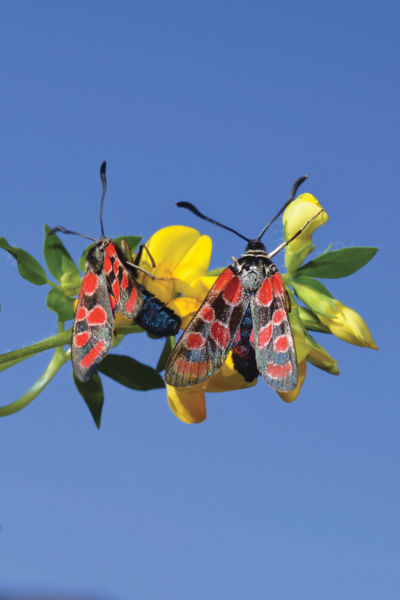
[[349, 326], [295, 216]]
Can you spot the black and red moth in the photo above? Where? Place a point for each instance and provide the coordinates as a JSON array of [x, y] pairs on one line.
[[109, 282], [245, 311]]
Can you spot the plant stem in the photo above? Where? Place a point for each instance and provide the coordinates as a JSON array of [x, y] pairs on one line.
[[60, 357], [62, 338]]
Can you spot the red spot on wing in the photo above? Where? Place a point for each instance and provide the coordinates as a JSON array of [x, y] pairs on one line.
[[206, 313], [107, 264], [279, 316], [277, 283], [90, 283], [112, 302], [125, 280], [81, 339], [281, 343], [115, 289], [129, 305], [279, 371], [97, 316], [264, 295], [111, 251], [117, 264], [223, 280], [252, 337], [81, 314], [195, 341], [91, 356], [264, 335], [233, 291], [220, 334]]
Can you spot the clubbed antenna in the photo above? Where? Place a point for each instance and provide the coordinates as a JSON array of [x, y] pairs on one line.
[[293, 191], [194, 210], [103, 193]]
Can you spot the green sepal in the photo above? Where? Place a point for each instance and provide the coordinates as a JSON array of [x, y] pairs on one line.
[[131, 373], [321, 358], [168, 347], [311, 321], [315, 295], [338, 263], [60, 263], [92, 393], [61, 304], [29, 268]]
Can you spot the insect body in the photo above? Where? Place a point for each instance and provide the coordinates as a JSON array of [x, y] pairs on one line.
[[246, 310], [109, 282]]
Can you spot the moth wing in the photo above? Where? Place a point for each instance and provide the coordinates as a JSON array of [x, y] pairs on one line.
[[273, 339], [122, 284], [93, 325], [205, 343]]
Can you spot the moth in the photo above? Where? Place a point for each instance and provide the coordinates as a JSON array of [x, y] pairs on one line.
[[245, 311], [109, 283]]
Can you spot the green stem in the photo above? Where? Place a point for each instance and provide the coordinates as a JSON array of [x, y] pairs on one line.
[[59, 358], [62, 338]]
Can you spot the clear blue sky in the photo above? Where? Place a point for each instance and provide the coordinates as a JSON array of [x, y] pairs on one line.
[[222, 104]]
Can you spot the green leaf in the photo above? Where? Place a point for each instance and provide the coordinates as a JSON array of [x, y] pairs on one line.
[[61, 304], [315, 295], [59, 261], [132, 241], [168, 347], [92, 393], [131, 373], [338, 263], [215, 272], [28, 267]]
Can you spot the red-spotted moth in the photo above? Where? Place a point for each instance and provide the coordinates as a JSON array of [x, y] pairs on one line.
[[109, 281], [246, 310]]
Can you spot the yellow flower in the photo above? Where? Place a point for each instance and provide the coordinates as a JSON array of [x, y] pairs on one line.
[[189, 403], [182, 257], [297, 213], [349, 326]]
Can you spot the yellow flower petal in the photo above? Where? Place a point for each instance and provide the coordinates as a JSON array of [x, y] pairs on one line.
[[185, 307], [297, 213], [171, 244], [164, 284], [200, 286], [189, 407], [290, 396], [194, 264]]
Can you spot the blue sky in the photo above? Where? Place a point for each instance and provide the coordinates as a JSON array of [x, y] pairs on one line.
[[222, 104]]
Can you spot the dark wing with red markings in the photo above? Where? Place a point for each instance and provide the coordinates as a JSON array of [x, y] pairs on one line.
[[273, 340], [205, 343], [93, 326], [122, 285]]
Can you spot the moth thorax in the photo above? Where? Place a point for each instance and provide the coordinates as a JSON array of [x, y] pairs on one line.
[[95, 257], [252, 278]]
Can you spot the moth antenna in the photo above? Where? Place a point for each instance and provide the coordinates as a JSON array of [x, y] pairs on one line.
[[293, 191], [194, 210], [63, 230], [103, 193]]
